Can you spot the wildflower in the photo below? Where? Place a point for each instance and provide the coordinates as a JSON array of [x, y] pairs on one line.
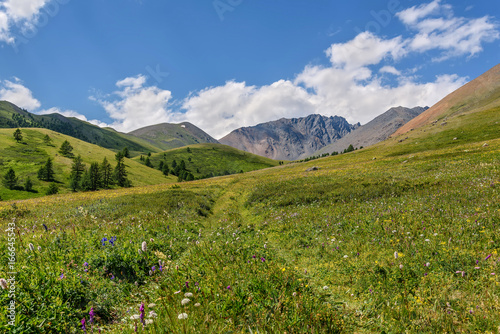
[[176, 292], [185, 301], [188, 295], [91, 314], [32, 248], [263, 259], [228, 287], [112, 241], [182, 316], [103, 241], [294, 294], [400, 266], [153, 268], [3, 283], [187, 284], [152, 240], [197, 305], [487, 257], [135, 317], [85, 264], [345, 256], [477, 268], [426, 240], [152, 314], [83, 325], [144, 246], [151, 305], [325, 288], [150, 273], [427, 264], [141, 309], [39, 248], [139, 251], [460, 272], [112, 276], [61, 276], [395, 255], [45, 227]]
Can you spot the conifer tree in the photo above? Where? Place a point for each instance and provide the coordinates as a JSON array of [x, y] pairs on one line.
[[18, 135], [10, 179]]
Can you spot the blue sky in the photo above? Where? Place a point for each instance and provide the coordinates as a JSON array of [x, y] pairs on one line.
[[228, 63]]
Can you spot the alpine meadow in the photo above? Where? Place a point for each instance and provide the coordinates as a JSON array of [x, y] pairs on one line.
[[245, 184]]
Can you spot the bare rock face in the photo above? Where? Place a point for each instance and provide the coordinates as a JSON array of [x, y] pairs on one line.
[[375, 131], [289, 139]]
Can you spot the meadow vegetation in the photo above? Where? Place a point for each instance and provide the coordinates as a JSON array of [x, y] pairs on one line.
[[398, 237]]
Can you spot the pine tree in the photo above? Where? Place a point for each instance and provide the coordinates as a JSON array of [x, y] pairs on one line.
[[148, 162], [77, 169], [349, 149], [46, 172], [47, 140], [28, 185], [165, 169], [160, 166], [10, 179], [66, 149], [18, 135], [126, 153], [106, 173], [120, 175], [92, 178]]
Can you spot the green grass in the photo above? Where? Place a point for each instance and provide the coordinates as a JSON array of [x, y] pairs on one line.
[[27, 157], [207, 160], [399, 243]]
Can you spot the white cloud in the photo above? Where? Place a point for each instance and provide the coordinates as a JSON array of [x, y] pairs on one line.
[[365, 49], [390, 70], [411, 15], [437, 28], [220, 110], [23, 9], [20, 14], [18, 94], [135, 105]]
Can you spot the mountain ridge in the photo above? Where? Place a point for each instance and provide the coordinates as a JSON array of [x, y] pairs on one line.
[[289, 138]]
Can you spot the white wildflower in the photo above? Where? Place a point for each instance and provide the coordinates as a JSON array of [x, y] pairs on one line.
[[396, 255], [185, 301], [188, 295], [182, 316], [197, 305], [32, 248], [144, 246], [3, 283]]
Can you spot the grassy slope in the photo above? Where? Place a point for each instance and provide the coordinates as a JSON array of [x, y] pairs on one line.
[[27, 157], [213, 159], [328, 238], [169, 136], [104, 137]]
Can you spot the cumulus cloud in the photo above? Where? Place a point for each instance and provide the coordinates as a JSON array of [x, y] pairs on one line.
[[437, 28], [19, 14], [135, 105], [365, 49], [219, 110], [15, 92]]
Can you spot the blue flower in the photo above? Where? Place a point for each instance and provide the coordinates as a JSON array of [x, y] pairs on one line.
[[103, 241], [45, 227], [112, 241]]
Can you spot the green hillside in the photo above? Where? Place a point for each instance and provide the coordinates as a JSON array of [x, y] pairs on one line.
[[168, 136], [13, 117], [27, 157], [208, 160]]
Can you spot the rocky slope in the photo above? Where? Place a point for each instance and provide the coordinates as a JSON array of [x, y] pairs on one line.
[[377, 130], [289, 139]]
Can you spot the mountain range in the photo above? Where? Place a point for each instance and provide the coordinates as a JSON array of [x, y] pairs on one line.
[[289, 139]]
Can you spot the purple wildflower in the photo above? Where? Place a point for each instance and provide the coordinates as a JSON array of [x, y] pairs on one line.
[[153, 268], [262, 259], [141, 309], [45, 227], [187, 285], [103, 241], [112, 241], [487, 257], [83, 325], [91, 314], [228, 287]]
